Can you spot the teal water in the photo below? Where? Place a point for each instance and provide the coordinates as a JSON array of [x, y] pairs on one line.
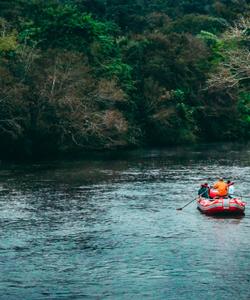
[[108, 228]]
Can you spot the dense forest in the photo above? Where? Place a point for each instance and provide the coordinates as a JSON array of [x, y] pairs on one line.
[[108, 74]]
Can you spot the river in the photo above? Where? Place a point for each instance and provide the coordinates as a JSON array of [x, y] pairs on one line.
[[107, 227]]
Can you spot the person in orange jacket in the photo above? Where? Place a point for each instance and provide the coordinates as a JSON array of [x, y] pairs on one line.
[[221, 187]]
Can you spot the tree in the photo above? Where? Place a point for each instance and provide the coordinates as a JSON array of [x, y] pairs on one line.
[[233, 69]]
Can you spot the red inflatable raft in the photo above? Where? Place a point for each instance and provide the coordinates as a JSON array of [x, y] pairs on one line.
[[221, 206]]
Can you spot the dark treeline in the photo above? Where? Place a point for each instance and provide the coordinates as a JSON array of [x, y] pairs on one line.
[[105, 74]]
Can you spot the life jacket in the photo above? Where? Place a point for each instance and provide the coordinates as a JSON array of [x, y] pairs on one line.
[[221, 187]]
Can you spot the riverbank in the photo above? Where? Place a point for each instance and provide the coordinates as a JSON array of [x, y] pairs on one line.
[[228, 148]]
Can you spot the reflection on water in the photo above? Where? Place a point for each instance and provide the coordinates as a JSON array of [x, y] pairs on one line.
[[107, 228]]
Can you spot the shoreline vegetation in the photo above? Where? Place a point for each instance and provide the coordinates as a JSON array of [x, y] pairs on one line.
[[179, 151], [93, 75]]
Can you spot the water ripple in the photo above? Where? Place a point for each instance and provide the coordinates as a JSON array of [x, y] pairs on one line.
[[109, 229]]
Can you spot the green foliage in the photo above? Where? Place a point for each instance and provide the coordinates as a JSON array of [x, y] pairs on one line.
[[121, 71], [62, 26], [196, 23], [8, 43], [8, 38], [215, 44], [244, 110], [210, 39], [178, 95], [95, 74]]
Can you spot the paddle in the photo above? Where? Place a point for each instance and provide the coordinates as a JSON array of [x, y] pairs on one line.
[[181, 208]]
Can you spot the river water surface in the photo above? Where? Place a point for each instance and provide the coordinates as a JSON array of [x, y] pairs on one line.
[[108, 228]]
